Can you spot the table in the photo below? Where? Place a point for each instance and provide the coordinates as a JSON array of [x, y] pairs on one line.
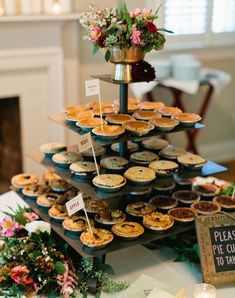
[[139, 260]]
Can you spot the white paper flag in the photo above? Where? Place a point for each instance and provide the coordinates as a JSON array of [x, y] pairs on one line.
[[92, 87], [75, 205], [84, 142]]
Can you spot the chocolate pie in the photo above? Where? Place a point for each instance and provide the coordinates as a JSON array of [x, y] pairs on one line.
[[131, 146], [143, 157], [164, 167], [99, 239], [49, 199], [76, 224], [110, 132], [226, 202], [164, 123], [139, 208], [206, 207], [21, 180], [157, 221], [114, 163], [151, 105], [128, 229], [146, 115], [51, 148], [155, 143], [118, 118], [110, 217], [187, 119], [171, 152], [35, 190], [183, 215], [139, 128], [140, 175], [163, 202], [186, 196], [170, 111], [58, 212], [109, 182]]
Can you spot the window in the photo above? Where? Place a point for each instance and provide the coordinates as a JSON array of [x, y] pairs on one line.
[[198, 23]]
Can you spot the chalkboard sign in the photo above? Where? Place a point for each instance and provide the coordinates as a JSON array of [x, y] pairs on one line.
[[216, 240]]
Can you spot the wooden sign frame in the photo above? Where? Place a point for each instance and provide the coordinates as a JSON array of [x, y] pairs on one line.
[[204, 226]]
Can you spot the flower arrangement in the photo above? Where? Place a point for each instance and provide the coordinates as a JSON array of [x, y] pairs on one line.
[[106, 28], [33, 263]]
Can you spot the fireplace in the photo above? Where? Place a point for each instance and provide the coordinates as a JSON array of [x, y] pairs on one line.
[[10, 141]]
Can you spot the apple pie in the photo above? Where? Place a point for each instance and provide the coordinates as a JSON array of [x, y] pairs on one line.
[[128, 229], [140, 175], [99, 239], [58, 212], [164, 167], [110, 217], [109, 182], [76, 224], [155, 143], [21, 180], [157, 221], [114, 163], [143, 157], [35, 190], [191, 161]]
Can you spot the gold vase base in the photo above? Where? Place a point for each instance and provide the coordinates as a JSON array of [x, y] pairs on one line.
[[122, 72]]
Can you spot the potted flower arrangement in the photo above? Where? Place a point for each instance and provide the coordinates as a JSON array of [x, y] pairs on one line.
[[125, 36]]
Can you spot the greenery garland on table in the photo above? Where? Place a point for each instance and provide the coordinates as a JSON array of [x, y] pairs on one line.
[[33, 263]]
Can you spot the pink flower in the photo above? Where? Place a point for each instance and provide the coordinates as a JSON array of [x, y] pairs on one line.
[[95, 34], [20, 275], [135, 13], [146, 12], [8, 226], [30, 216], [135, 37]]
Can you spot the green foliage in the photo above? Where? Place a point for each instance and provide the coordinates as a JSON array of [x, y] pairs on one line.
[[18, 214], [228, 191]]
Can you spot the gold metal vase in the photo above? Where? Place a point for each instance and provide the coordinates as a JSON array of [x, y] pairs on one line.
[[122, 60]]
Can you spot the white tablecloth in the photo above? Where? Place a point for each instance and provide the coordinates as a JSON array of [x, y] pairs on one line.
[[130, 263]]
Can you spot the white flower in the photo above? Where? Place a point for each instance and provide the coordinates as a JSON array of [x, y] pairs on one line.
[[38, 226]]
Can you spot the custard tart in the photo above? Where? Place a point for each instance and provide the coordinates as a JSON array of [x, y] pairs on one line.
[[157, 221], [100, 238], [134, 101], [151, 105], [170, 111], [105, 111], [128, 229], [140, 175], [96, 104], [164, 123], [139, 128], [110, 132], [146, 115], [89, 123], [118, 118], [71, 109], [80, 115], [187, 119]]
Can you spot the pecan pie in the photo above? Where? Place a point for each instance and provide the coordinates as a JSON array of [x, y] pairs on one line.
[[118, 118], [183, 214], [207, 189], [115, 163], [99, 240], [163, 202], [139, 128], [143, 157], [76, 224], [139, 208], [21, 180], [186, 196], [35, 190], [151, 105], [206, 207], [164, 167], [146, 115], [110, 132], [110, 217], [58, 211], [128, 229], [155, 143], [187, 119], [170, 111], [109, 182], [191, 161], [157, 221], [226, 202], [140, 175], [164, 123]]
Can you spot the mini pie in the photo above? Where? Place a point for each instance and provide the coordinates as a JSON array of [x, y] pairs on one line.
[[151, 105], [128, 229], [60, 185], [183, 214], [35, 190], [131, 146], [52, 148], [191, 161], [164, 123], [49, 176], [95, 104], [100, 238], [207, 189], [109, 181], [83, 168], [187, 119], [114, 163], [110, 217], [163, 202], [58, 211], [164, 167], [139, 208], [134, 101], [118, 118], [206, 207], [143, 157], [146, 115], [49, 199], [171, 152], [186, 196], [71, 193], [105, 111], [138, 127], [24, 179], [164, 185], [99, 151], [95, 205], [157, 221], [108, 130], [226, 202], [140, 174], [66, 157], [155, 143], [170, 111], [76, 223], [71, 109], [79, 115], [90, 122]]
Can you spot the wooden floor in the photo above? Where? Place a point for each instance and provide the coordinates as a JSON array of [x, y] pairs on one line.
[[230, 174]]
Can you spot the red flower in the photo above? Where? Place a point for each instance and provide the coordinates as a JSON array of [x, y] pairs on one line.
[[19, 275], [151, 27]]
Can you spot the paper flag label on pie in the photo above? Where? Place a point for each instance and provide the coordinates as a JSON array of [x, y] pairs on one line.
[[75, 205], [84, 142], [92, 87]]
